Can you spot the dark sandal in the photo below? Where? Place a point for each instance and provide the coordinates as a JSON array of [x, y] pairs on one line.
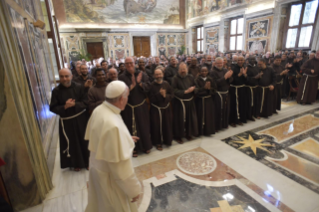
[[135, 154], [159, 147], [147, 151], [180, 141]]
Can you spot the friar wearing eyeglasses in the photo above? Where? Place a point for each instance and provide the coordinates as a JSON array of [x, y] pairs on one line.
[[135, 114]]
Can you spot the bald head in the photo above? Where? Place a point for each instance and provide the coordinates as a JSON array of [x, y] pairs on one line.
[[112, 74], [65, 76], [240, 61]]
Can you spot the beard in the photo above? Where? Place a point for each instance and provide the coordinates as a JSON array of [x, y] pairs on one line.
[[219, 68], [66, 84], [84, 74], [159, 79], [183, 75]]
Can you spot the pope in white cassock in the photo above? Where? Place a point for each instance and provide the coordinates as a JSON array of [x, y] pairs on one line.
[[113, 185]]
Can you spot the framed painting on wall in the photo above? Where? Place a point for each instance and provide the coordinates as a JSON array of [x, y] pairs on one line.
[[161, 39], [212, 48], [74, 56], [171, 40], [40, 67], [259, 45], [162, 51], [21, 36], [258, 29], [29, 7], [171, 51], [212, 35]]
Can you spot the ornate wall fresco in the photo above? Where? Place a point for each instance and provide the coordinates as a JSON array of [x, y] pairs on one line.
[[211, 39], [122, 11], [197, 8], [258, 33], [119, 45], [169, 44]]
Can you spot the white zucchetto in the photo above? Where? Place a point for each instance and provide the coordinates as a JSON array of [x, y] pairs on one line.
[[115, 89]]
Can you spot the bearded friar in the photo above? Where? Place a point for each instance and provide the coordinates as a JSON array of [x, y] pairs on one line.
[[85, 78], [206, 88], [267, 81], [238, 94], [280, 73], [69, 101], [135, 115], [223, 78], [160, 95], [184, 110], [309, 82]]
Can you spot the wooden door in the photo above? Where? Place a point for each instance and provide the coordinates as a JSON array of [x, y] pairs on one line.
[[95, 49], [142, 46]]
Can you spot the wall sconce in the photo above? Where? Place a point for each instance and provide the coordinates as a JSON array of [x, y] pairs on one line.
[[39, 24]]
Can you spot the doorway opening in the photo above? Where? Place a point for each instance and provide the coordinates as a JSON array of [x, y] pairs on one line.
[[142, 46], [95, 49]]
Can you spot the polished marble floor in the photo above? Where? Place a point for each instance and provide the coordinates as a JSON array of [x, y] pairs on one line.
[[268, 165]]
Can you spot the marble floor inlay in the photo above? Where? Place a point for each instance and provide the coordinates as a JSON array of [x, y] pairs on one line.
[[267, 165], [221, 174], [291, 128], [292, 152], [308, 146], [196, 163]]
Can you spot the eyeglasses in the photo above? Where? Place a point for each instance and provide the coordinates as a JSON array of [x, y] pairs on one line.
[[131, 63]]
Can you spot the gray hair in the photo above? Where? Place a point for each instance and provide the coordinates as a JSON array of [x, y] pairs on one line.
[[219, 58]]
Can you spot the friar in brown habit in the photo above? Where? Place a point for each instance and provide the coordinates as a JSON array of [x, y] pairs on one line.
[[69, 101], [184, 110], [193, 68], [160, 95], [309, 83], [280, 73], [223, 78], [85, 78], [252, 85], [206, 88], [135, 114], [96, 93], [238, 94], [267, 81]]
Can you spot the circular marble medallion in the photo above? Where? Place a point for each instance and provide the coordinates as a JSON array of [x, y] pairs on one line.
[[196, 163]]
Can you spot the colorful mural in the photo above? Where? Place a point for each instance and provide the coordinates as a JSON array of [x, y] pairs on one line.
[[169, 44], [123, 11], [212, 40], [197, 8], [258, 33]]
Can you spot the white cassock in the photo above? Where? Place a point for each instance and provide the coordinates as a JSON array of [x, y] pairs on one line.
[[112, 180]]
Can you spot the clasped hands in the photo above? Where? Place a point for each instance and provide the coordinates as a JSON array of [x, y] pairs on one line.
[[69, 103]]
